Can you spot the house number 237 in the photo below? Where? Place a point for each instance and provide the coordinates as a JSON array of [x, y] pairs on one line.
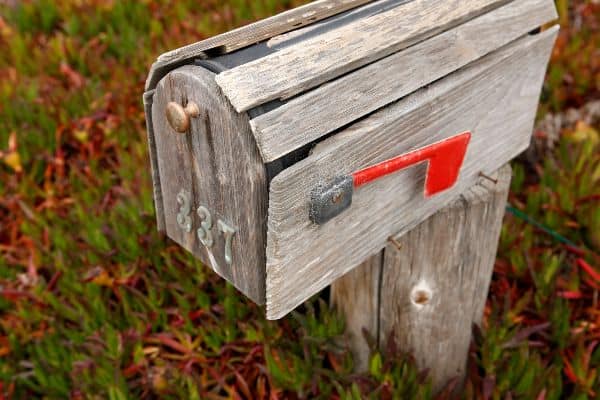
[[204, 232]]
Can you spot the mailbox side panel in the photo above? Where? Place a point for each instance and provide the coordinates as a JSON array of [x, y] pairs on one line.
[[495, 99], [213, 182], [158, 204]]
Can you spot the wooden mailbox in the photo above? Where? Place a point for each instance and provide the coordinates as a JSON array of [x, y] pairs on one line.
[[287, 152]]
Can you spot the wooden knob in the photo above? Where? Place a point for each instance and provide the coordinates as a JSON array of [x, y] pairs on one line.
[[179, 117]]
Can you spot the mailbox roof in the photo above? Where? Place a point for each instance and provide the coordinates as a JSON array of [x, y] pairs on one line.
[[317, 83], [249, 35]]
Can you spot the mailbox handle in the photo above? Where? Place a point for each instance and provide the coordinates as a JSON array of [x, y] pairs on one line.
[[179, 117], [445, 160]]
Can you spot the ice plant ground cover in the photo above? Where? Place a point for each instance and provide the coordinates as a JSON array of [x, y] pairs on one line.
[[95, 304]]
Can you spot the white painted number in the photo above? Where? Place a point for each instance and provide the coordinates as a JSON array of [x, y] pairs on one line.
[[204, 233], [228, 233], [183, 217]]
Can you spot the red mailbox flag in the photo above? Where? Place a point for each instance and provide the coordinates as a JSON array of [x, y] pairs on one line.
[[444, 159]]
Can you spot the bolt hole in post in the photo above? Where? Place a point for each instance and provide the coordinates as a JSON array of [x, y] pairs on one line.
[[421, 295]]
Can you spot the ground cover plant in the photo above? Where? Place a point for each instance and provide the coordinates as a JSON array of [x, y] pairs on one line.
[[94, 303]]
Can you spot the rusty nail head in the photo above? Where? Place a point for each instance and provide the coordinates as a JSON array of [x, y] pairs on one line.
[[489, 178], [396, 243]]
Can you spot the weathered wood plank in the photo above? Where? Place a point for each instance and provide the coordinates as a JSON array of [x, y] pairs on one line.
[[454, 257], [364, 11], [435, 287], [158, 204], [314, 61], [251, 34], [217, 165], [306, 118], [495, 99], [356, 296]]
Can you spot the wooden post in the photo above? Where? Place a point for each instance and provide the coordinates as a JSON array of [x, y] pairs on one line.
[[428, 287]]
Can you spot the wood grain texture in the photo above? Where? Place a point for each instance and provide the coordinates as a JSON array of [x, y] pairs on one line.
[[435, 287], [452, 254], [316, 113], [356, 296], [152, 153], [218, 165], [315, 61], [494, 98], [364, 11], [250, 34]]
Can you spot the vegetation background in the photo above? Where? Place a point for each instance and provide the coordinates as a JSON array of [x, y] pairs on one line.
[[95, 304]]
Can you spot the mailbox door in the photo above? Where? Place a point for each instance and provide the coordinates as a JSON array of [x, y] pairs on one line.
[[494, 100], [211, 178]]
